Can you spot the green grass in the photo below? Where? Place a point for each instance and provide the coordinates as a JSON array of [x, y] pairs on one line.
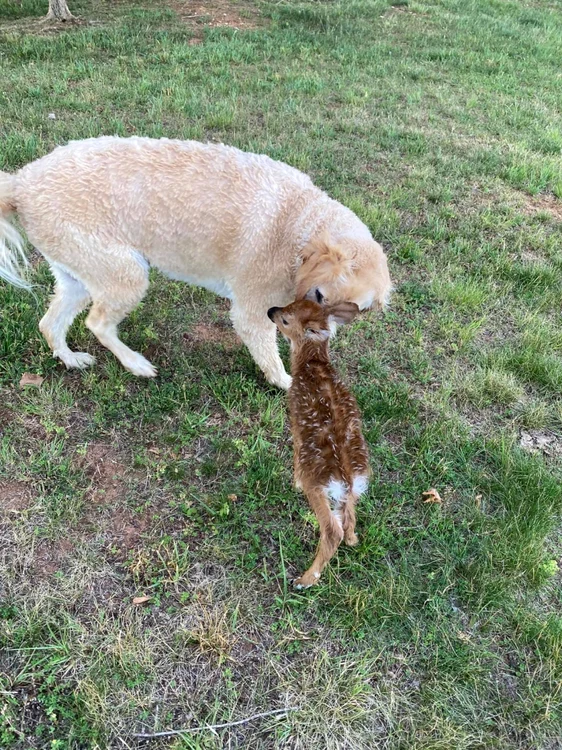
[[438, 123]]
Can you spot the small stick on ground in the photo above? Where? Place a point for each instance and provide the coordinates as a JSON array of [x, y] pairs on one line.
[[189, 730]]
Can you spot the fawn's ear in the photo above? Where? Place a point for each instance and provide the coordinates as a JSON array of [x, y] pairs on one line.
[[342, 312], [317, 334]]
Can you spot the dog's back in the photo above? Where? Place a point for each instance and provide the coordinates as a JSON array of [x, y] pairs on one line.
[[137, 189]]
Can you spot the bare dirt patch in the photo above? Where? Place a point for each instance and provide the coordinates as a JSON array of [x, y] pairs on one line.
[[102, 465], [217, 13], [42, 27], [127, 528], [541, 204], [6, 416], [52, 556], [204, 333], [14, 496]]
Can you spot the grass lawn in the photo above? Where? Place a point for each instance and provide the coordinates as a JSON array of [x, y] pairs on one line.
[[439, 123]]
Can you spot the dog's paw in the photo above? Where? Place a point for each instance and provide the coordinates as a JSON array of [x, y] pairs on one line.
[[140, 366], [282, 381], [76, 360]]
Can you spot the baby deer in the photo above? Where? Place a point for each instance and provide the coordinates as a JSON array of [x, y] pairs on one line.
[[331, 457]]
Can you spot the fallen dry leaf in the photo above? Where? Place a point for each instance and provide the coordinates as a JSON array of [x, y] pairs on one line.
[[431, 496], [539, 440], [141, 599], [29, 379]]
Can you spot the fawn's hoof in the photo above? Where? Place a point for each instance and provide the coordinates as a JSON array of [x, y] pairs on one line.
[[306, 580]]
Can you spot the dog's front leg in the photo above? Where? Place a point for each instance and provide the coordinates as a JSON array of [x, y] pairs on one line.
[[259, 334]]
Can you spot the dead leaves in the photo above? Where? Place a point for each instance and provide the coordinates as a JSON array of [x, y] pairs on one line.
[[541, 441], [139, 600], [432, 496], [29, 378]]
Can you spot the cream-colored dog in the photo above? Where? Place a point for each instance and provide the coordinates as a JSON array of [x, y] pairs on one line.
[[254, 230]]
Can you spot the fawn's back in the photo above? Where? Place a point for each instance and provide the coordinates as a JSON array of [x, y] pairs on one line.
[[326, 426]]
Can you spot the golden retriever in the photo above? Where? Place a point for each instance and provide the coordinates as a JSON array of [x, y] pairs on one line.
[[254, 230]]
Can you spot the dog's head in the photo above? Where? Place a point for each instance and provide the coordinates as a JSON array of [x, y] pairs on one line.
[[307, 320], [353, 269]]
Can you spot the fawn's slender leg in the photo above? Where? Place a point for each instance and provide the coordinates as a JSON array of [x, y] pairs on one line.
[[331, 534], [296, 461], [348, 520]]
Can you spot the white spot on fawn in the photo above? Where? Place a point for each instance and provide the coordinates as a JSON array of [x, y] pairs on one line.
[[336, 490], [360, 484]]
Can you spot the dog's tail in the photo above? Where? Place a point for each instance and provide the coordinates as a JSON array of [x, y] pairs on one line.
[[13, 262]]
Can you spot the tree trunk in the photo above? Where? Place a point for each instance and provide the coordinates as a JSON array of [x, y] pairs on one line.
[[58, 11]]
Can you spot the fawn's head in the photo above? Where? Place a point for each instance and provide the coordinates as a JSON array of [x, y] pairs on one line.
[[305, 320]]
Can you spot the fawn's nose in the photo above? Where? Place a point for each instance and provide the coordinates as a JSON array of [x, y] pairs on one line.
[[271, 312]]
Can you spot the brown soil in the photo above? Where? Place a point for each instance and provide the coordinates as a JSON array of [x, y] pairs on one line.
[[126, 528], [535, 204], [14, 496], [107, 473], [216, 13], [212, 333], [241, 14], [50, 556], [6, 416]]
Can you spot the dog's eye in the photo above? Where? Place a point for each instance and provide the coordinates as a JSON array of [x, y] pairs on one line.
[[319, 297], [284, 322]]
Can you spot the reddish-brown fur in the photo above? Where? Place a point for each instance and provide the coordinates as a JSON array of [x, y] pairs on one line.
[[329, 448]]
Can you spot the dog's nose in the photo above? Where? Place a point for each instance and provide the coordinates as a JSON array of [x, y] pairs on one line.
[[271, 312]]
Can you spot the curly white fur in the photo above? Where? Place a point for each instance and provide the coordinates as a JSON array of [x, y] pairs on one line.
[[253, 229]]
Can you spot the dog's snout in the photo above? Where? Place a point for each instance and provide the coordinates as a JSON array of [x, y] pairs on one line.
[[271, 312]]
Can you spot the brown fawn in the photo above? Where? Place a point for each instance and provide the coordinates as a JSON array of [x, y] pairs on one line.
[[330, 453]]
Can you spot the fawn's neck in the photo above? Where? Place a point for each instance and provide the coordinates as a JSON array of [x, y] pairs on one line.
[[309, 351]]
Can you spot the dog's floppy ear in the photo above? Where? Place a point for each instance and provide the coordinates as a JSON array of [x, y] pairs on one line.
[[342, 312]]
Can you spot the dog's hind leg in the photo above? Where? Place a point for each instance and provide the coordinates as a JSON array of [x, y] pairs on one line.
[[70, 298], [331, 534], [120, 284]]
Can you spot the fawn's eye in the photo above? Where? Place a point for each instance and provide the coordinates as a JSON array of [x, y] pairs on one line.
[[284, 322]]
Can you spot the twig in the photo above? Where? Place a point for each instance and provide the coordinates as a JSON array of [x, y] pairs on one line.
[[215, 726]]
